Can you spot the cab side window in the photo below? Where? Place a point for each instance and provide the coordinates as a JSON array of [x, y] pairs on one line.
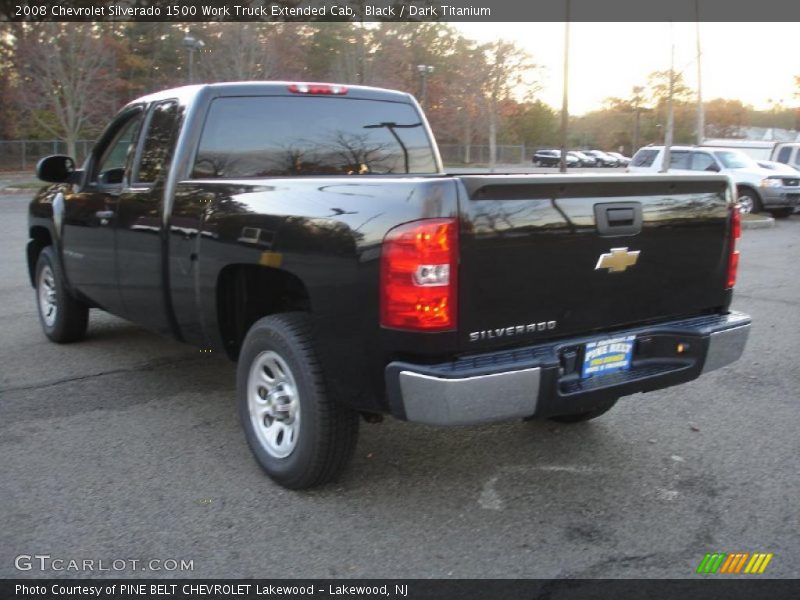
[[159, 142], [783, 154], [110, 166]]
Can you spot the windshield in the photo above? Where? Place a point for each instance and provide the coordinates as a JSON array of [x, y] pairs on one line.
[[732, 159]]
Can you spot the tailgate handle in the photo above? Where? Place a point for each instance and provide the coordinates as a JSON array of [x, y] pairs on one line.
[[618, 218]]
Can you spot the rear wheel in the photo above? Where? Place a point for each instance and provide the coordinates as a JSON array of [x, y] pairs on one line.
[[749, 201], [64, 319], [298, 434], [588, 415]]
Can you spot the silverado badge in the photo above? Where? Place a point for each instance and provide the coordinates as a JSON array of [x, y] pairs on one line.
[[617, 260]]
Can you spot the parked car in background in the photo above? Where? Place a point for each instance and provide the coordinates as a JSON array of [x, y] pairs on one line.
[[603, 159], [624, 161], [552, 158], [758, 188], [584, 160], [787, 153]]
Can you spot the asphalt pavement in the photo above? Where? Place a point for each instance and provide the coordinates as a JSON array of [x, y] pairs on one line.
[[127, 447]]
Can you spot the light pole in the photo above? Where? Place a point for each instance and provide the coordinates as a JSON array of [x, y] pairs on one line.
[[562, 162], [191, 43], [667, 159], [701, 117], [424, 72]]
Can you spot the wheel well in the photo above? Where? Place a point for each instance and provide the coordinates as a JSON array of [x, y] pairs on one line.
[[752, 190], [246, 293], [40, 239]]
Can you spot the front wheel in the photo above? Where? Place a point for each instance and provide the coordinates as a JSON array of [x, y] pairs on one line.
[[749, 201], [298, 434], [64, 319]]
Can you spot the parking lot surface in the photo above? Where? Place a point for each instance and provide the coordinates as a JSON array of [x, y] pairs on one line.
[[127, 446]]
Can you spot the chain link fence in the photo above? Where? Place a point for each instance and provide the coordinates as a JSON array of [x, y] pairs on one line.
[[478, 154], [22, 155]]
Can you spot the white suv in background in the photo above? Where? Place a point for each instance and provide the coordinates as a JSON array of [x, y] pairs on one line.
[[758, 188]]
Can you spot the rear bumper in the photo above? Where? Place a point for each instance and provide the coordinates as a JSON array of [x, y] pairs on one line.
[[542, 380]]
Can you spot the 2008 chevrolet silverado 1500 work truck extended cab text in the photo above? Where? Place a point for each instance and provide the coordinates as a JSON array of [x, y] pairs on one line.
[[309, 232]]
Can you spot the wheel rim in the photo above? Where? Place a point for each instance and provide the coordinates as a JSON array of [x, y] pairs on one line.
[[274, 404], [745, 204], [48, 306]]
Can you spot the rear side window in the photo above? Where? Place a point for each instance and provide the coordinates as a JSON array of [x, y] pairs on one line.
[[644, 158], [283, 136], [159, 141]]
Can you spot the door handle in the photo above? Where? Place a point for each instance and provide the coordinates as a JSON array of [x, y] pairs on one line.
[[618, 218]]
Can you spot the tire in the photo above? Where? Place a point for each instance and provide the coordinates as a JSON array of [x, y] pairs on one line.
[[64, 319], [587, 415], [782, 213], [749, 202], [300, 436]]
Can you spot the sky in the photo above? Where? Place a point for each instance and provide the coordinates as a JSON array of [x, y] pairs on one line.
[[752, 62]]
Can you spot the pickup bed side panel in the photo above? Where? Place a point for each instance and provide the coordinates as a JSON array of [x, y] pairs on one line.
[[328, 233]]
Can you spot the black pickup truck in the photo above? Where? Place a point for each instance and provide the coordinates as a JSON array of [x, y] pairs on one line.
[[308, 231]]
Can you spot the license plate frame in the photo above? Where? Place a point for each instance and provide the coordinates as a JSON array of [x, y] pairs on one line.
[[607, 355]]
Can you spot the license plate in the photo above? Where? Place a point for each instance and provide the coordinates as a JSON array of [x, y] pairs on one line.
[[607, 356]]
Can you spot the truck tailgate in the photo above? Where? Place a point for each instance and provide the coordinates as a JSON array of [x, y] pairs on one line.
[[547, 256]]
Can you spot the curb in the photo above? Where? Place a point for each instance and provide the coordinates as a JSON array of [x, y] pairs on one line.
[[758, 222]]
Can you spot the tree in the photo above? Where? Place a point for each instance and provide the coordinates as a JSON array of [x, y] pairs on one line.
[[236, 52], [725, 118], [6, 66], [506, 68], [65, 78]]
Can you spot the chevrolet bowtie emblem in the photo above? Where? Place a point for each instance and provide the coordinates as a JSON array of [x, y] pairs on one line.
[[617, 260]]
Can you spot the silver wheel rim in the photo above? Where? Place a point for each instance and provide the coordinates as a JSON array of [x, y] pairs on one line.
[[745, 204], [47, 296], [273, 402]]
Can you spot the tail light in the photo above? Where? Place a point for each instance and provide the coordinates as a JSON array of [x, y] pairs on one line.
[[324, 89], [419, 276], [733, 257]]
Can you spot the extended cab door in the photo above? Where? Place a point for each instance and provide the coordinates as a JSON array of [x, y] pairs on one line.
[[90, 214], [141, 223]]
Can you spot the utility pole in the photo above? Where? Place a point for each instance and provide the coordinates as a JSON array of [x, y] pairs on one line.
[[562, 167], [637, 101], [701, 118], [670, 117]]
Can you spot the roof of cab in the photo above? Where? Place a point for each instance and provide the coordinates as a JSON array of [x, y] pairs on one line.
[[189, 93]]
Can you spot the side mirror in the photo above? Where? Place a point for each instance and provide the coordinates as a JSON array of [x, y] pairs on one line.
[[713, 168], [57, 169], [112, 176]]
